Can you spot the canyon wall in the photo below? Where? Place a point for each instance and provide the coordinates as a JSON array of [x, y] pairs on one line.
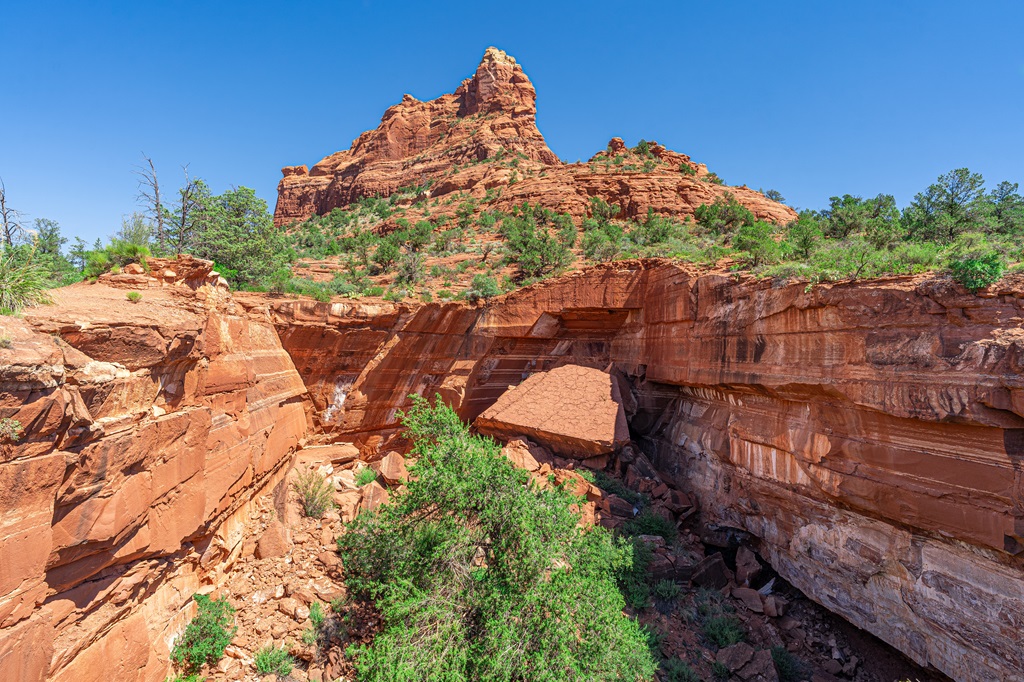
[[869, 435], [146, 430]]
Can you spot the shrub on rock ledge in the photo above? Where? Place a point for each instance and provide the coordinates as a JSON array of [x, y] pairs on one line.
[[207, 635], [479, 575]]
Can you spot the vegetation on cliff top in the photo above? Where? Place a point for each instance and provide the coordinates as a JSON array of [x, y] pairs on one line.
[[479, 575], [381, 246]]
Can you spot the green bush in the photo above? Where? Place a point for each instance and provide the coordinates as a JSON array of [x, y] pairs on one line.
[[667, 590], [206, 636], [725, 216], [720, 671], [22, 283], [677, 670], [539, 603], [612, 485], [538, 241], [789, 668], [316, 614], [723, 630], [483, 287], [10, 429], [315, 492], [271, 660], [365, 476], [133, 296], [648, 522], [758, 242], [977, 270], [632, 578]]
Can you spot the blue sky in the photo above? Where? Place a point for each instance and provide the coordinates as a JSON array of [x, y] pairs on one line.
[[810, 98]]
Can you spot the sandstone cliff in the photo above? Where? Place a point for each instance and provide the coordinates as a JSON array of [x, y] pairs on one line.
[[484, 137], [865, 436], [146, 430]]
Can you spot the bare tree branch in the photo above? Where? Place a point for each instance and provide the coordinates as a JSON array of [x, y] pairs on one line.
[[149, 196], [11, 219]]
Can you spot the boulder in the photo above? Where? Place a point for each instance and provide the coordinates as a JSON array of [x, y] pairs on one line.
[[374, 495], [747, 566], [736, 656], [391, 468], [574, 411], [273, 542], [711, 572]]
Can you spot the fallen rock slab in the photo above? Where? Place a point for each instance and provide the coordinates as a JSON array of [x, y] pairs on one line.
[[574, 411]]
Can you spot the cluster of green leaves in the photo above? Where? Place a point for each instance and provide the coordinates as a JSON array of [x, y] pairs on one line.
[[10, 429], [272, 660], [316, 494], [482, 288], [480, 575], [538, 241], [649, 522], [23, 280], [206, 636], [717, 619]]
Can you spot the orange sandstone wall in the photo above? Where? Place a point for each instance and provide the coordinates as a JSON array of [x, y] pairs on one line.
[[870, 435], [147, 430]]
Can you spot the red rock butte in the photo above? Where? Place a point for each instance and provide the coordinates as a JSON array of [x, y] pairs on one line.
[[576, 411], [492, 115]]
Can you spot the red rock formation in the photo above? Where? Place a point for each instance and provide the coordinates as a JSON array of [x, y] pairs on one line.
[[146, 430], [459, 141], [868, 433], [574, 411]]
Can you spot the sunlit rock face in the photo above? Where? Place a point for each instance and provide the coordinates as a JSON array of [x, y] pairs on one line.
[[867, 434], [458, 141], [147, 429]]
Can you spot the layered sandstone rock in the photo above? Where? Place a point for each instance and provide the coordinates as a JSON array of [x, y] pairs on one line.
[[483, 138], [865, 434], [575, 411], [147, 428]]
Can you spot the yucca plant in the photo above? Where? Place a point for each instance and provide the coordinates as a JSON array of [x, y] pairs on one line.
[[22, 283]]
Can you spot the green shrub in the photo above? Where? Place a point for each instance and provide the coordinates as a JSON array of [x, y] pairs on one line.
[[365, 476], [133, 296], [310, 636], [667, 590], [270, 659], [316, 614], [648, 522], [977, 270], [538, 241], [687, 169], [677, 670], [632, 578], [758, 242], [338, 604], [5, 342], [789, 668], [206, 636], [315, 493], [725, 216], [10, 429], [543, 603], [612, 485], [483, 287], [720, 671], [22, 283], [723, 630]]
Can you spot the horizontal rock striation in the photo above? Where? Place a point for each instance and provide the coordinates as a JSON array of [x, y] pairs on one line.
[[492, 117], [867, 434], [146, 429]]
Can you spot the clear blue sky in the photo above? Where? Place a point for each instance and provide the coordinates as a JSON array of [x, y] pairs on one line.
[[810, 98]]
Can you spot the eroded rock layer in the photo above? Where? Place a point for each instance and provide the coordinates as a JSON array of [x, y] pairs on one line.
[[484, 137], [867, 434], [144, 432]]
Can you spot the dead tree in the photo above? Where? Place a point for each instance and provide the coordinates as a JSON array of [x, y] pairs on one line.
[[188, 212], [149, 196], [11, 217]]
